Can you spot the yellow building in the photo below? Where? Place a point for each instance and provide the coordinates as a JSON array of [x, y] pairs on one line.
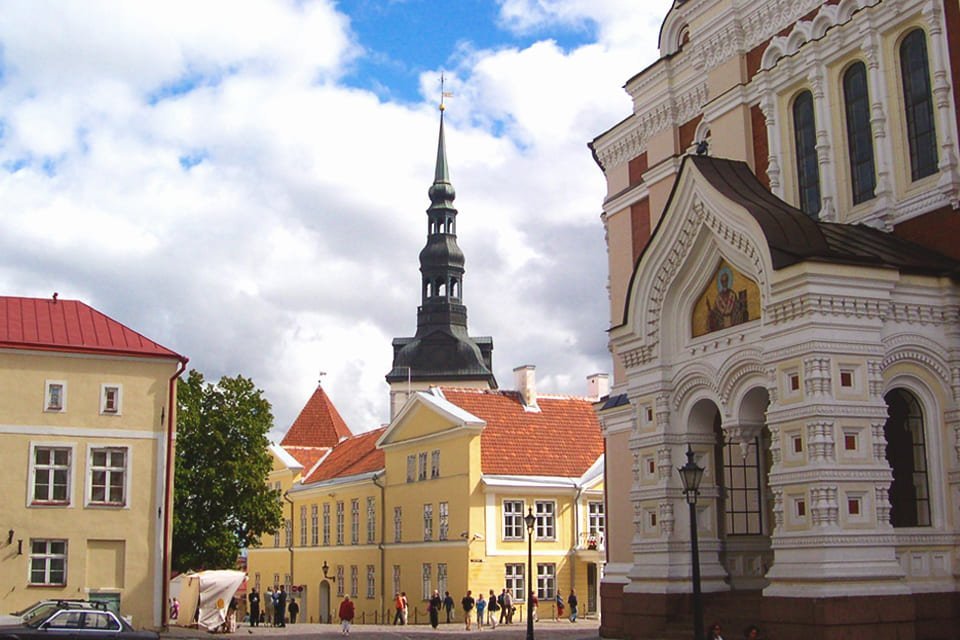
[[436, 500], [86, 425]]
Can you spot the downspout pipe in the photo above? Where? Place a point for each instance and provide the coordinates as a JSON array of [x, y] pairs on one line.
[[168, 490], [383, 533]]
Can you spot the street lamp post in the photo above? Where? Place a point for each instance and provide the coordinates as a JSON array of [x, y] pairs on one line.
[[691, 474], [530, 520]]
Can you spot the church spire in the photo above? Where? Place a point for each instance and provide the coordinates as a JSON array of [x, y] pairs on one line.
[[442, 352]]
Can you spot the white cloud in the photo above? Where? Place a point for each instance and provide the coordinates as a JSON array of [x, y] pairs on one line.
[[199, 172]]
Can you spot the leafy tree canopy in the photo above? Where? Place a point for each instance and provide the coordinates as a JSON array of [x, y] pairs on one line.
[[221, 500]]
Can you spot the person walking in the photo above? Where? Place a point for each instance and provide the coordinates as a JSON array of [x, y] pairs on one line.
[[268, 600], [493, 608], [254, 599], [572, 601], [468, 604], [406, 606], [294, 609], [398, 605], [559, 605], [281, 608], [481, 609], [434, 608], [508, 605], [713, 632], [346, 615], [448, 605]]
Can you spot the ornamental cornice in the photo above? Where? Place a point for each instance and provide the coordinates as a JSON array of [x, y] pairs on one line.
[[806, 305], [637, 357], [826, 347], [870, 539], [818, 475], [807, 411]]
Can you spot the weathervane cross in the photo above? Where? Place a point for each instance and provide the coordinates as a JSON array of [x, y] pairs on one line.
[[443, 94]]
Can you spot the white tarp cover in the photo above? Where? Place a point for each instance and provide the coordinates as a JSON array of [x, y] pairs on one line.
[[214, 588]]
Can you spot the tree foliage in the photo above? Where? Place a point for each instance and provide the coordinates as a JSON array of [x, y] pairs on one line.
[[221, 499]]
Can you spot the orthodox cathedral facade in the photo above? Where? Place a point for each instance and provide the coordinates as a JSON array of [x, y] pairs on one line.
[[784, 274]]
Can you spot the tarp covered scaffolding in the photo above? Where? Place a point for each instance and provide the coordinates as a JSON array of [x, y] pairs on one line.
[[210, 591]]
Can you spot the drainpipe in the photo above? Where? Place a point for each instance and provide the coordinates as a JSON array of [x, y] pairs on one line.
[[383, 533], [168, 491], [290, 533]]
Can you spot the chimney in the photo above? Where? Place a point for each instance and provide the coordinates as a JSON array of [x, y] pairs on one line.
[[526, 381], [598, 386]]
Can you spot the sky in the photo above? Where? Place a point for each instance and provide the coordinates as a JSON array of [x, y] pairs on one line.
[[246, 182]]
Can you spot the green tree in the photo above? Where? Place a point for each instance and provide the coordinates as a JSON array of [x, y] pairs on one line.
[[221, 499]]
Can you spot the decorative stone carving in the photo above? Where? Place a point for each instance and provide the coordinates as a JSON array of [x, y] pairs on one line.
[[664, 463], [879, 441], [667, 519], [875, 379], [776, 455], [824, 511], [777, 509], [662, 411], [821, 442], [817, 377], [882, 501]]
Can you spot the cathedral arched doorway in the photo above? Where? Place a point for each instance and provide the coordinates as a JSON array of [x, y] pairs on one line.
[[907, 456]]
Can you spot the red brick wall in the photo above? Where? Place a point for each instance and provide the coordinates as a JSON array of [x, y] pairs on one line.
[[761, 148], [640, 226], [636, 167], [937, 230], [687, 130]]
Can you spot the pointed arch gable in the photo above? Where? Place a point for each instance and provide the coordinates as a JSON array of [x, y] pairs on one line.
[[700, 227]]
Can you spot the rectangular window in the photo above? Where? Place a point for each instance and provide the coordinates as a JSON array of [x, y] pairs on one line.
[[427, 581], [513, 520], [545, 511], [55, 396], [397, 524], [340, 517], [51, 475], [371, 520], [422, 465], [435, 463], [428, 522], [354, 581], [326, 524], [442, 577], [411, 468], [276, 538], [314, 526], [288, 532], [444, 520], [108, 476], [596, 519], [371, 581], [396, 578], [741, 488], [546, 580], [341, 587], [110, 395], [303, 525], [48, 562], [355, 521], [513, 581]]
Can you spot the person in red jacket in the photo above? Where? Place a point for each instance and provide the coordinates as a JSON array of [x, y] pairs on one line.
[[346, 615]]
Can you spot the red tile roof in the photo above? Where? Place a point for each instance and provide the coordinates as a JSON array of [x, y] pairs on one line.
[[307, 456], [69, 325], [563, 439], [318, 425], [353, 456]]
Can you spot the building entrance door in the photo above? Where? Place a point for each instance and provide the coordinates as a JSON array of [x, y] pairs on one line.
[[324, 612], [591, 588]]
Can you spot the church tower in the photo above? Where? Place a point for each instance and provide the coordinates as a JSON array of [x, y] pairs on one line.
[[442, 352]]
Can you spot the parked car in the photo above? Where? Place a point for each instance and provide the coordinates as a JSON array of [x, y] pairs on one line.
[[45, 608], [72, 620]]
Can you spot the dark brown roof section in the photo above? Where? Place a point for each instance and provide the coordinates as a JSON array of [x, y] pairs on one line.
[[793, 236]]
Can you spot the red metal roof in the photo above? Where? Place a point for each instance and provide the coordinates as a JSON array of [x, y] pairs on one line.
[[50, 324], [353, 456], [563, 439], [318, 425]]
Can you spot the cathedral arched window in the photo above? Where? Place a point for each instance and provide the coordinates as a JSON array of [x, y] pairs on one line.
[[918, 105], [907, 456], [859, 133], [805, 143], [454, 288]]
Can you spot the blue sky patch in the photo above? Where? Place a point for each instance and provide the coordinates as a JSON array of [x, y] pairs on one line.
[[190, 160]]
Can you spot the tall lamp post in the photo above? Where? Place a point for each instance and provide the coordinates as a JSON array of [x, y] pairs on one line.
[[691, 474], [530, 520]]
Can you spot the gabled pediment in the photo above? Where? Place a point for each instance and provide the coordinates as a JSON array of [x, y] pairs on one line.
[[425, 415]]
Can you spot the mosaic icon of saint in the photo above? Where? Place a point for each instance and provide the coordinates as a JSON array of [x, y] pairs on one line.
[[730, 307]]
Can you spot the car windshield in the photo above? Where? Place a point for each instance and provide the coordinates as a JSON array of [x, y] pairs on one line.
[[40, 612]]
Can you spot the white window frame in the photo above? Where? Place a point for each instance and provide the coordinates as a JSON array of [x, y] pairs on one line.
[[435, 463], [546, 580], [355, 521], [396, 578], [398, 524], [371, 582], [341, 587], [545, 512], [443, 510], [428, 522], [371, 520], [48, 557], [340, 523], [110, 470], [48, 405], [31, 484], [326, 524], [303, 525], [411, 467], [426, 580], [442, 577], [105, 408], [514, 579], [422, 466], [513, 525], [596, 517], [314, 525], [354, 581]]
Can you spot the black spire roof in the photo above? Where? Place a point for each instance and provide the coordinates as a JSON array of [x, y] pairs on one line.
[[442, 350]]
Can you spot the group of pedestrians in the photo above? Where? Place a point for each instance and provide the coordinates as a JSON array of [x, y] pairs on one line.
[[752, 632], [275, 608], [489, 610]]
